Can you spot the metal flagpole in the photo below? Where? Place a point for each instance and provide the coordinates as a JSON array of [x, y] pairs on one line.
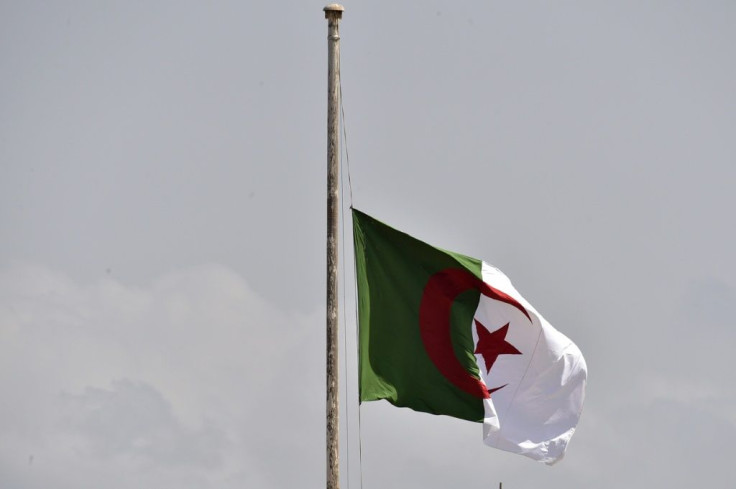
[[333, 14]]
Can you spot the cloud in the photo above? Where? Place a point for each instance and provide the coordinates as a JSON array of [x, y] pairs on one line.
[[192, 377], [134, 420]]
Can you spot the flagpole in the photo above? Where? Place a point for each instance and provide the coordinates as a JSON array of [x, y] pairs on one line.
[[333, 14]]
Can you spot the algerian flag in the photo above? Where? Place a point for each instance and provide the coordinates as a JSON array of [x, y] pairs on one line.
[[444, 333]]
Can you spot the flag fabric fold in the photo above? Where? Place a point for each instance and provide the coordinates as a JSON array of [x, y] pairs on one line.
[[444, 333]]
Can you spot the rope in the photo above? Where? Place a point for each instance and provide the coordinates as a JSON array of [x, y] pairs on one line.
[[346, 163], [357, 353], [345, 340], [344, 134]]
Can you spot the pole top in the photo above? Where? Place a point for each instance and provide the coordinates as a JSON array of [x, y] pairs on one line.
[[333, 10]]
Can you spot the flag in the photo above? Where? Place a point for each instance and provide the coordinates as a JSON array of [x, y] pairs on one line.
[[444, 333]]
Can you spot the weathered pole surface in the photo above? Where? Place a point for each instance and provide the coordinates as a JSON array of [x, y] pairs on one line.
[[333, 14]]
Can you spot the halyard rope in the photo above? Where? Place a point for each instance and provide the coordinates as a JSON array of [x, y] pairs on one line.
[[346, 161]]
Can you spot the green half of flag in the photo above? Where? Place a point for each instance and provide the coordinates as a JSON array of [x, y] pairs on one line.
[[392, 271]]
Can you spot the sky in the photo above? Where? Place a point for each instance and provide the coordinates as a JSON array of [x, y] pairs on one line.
[[162, 232]]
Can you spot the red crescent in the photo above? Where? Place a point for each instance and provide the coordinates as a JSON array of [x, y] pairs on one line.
[[434, 323]]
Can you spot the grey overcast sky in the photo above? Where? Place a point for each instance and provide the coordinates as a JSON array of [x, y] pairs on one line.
[[162, 194]]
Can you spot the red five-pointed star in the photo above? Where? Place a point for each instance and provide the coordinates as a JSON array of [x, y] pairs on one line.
[[491, 345]]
